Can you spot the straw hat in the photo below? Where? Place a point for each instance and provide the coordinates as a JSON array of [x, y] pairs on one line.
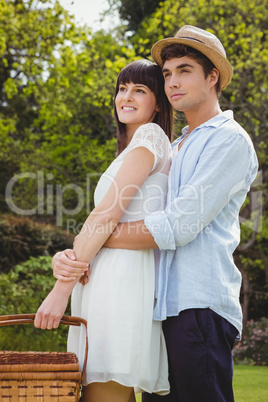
[[201, 40]]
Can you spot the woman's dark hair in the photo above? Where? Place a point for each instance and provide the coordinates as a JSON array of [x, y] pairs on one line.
[[150, 74], [179, 50]]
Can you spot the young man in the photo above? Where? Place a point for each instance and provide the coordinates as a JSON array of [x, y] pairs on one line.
[[199, 285], [214, 163]]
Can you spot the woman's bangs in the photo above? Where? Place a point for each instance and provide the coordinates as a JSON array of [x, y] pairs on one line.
[[138, 73]]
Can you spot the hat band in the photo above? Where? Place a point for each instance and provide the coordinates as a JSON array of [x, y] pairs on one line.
[[186, 37]]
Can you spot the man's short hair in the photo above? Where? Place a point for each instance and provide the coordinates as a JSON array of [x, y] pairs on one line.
[[179, 50]]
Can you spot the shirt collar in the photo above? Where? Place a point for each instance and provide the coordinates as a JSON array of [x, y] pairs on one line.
[[216, 121]]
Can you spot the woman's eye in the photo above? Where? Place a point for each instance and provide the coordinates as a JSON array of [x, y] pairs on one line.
[[141, 90], [122, 89]]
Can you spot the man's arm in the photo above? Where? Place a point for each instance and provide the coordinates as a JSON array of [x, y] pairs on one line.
[[132, 236], [226, 167]]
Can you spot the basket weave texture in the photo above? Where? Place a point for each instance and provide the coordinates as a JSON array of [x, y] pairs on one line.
[[40, 391], [39, 376]]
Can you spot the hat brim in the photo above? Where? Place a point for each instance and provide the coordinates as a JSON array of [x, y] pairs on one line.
[[219, 61]]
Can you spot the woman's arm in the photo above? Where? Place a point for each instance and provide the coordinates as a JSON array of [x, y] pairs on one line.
[[104, 218], [100, 224]]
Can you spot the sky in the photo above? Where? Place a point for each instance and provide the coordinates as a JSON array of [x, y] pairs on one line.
[[86, 11]]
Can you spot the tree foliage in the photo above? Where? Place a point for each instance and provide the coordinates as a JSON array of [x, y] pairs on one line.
[[29, 36], [29, 33], [132, 13], [57, 95]]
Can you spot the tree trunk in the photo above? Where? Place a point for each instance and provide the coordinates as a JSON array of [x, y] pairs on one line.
[[246, 291]]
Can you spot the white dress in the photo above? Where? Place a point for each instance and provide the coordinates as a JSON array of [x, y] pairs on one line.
[[125, 344]]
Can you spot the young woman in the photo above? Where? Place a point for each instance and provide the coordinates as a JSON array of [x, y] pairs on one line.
[[127, 351]]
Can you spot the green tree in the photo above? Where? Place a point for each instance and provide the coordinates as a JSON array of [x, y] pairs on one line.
[[29, 33], [57, 102], [73, 137], [132, 13]]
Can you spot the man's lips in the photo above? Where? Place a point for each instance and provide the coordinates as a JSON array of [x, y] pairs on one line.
[[176, 95]]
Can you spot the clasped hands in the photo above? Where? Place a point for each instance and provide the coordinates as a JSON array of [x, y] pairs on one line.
[[67, 270]]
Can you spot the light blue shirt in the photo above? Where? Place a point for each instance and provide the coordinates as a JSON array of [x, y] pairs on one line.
[[199, 229]]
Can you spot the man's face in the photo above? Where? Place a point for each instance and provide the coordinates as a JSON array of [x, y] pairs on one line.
[[185, 84]]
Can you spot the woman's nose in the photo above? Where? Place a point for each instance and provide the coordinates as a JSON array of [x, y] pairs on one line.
[[128, 96]]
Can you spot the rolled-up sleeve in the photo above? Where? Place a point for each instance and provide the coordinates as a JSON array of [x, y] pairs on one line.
[[159, 227]]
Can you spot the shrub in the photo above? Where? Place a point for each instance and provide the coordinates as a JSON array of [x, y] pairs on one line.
[[22, 238], [22, 290], [253, 348]]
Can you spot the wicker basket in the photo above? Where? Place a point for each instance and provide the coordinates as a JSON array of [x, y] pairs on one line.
[[40, 376]]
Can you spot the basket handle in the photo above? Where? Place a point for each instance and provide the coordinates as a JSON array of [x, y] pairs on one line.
[[29, 319]]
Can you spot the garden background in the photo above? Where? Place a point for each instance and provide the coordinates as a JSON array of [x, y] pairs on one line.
[[57, 136]]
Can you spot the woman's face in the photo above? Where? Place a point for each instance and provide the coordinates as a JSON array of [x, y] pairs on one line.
[[135, 105]]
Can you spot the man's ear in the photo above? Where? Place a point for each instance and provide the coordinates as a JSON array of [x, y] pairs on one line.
[[214, 76]]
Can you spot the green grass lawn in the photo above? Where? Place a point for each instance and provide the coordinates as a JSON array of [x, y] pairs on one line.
[[250, 384]]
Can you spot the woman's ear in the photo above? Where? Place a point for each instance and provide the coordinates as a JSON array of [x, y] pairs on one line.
[[157, 108]]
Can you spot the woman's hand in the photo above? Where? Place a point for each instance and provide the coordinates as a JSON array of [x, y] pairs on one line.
[[49, 314], [67, 268]]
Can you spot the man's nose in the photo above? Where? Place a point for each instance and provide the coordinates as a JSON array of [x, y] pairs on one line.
[[174, 81]]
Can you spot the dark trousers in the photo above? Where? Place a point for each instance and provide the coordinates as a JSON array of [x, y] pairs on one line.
[[199, 344]]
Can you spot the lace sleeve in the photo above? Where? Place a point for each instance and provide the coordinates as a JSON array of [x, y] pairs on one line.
[[152, 137]]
